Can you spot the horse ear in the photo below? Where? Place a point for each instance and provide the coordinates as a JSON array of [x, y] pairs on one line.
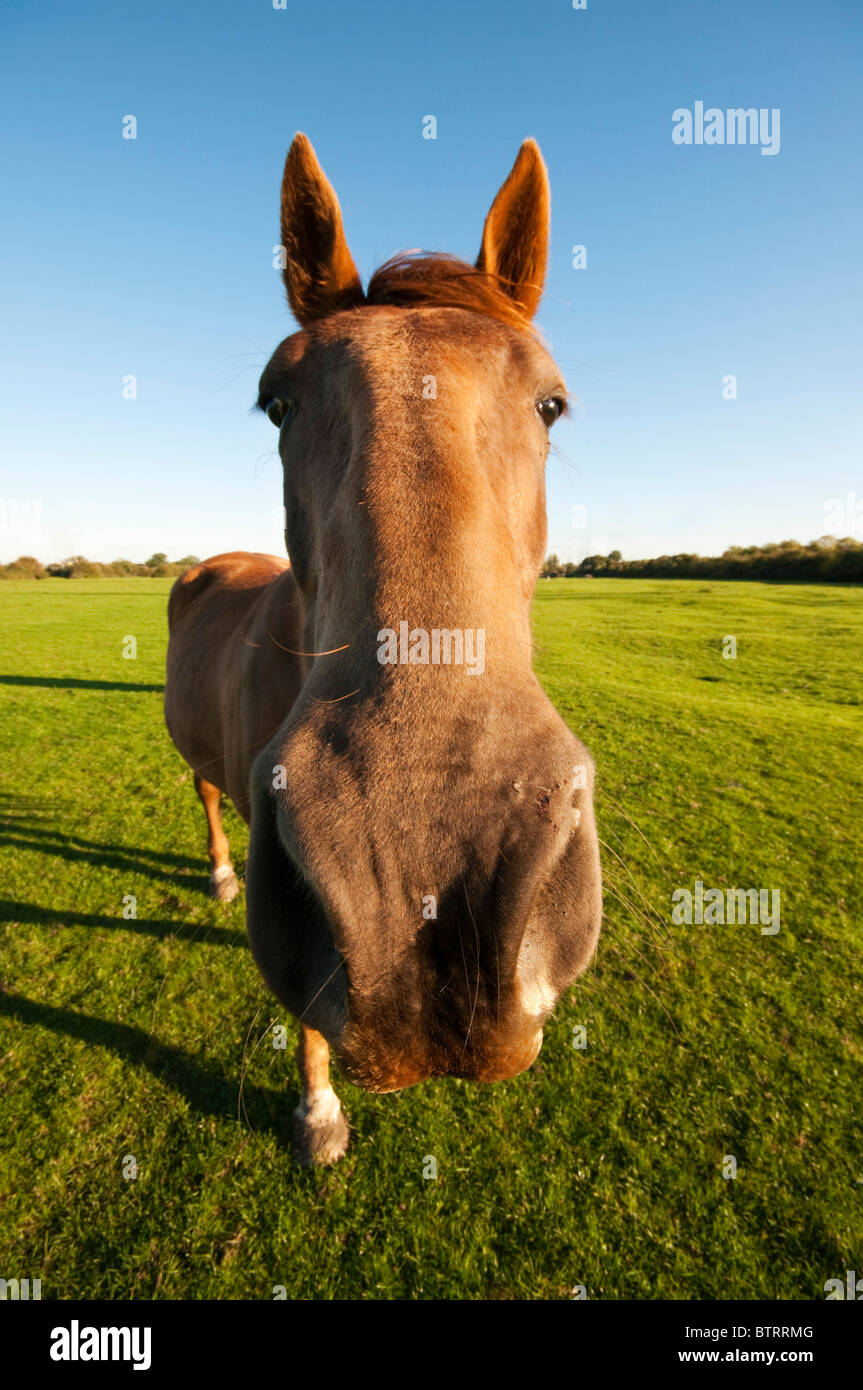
[[515, 236], [320, 275]]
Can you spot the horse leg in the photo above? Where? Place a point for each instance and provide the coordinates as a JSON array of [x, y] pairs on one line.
[[320, 1128], [223, 880]]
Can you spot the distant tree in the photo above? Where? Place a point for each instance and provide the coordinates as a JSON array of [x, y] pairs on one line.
[[25, 567], [614, 555], [591, 563], [160, 558]]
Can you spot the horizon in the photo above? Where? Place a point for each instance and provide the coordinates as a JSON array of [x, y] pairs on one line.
[[677, 264], [189, 559]]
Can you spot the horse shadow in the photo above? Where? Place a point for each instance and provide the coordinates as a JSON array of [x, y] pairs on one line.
[[204, 1086], [26, 826], [23, 826], [163, 928], [75, 683]]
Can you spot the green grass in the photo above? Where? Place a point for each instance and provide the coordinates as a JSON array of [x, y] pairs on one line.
[[600, 1167]]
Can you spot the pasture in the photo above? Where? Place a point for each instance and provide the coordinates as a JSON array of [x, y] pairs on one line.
[[150, 1036]]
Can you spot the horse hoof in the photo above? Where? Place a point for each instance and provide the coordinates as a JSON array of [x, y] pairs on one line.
[[223, 884], [321, 1132]]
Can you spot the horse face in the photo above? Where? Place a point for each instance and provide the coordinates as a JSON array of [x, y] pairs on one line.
[[431, 845]]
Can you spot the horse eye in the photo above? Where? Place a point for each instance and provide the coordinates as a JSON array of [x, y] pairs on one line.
[[278, 411], [550, 410]]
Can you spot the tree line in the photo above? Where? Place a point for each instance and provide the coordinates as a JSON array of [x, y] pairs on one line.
[[828, 559], [78, 567]]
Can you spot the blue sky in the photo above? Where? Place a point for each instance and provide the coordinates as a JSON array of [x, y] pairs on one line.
[[153, 257]]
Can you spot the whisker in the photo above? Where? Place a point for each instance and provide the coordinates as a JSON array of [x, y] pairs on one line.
[[241, 1103], [476, 994], [338, 699], [294, 653], [631, 880], [321, 990], [603, 792]]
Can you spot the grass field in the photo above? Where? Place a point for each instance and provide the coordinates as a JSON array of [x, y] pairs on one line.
[[600, 1167]]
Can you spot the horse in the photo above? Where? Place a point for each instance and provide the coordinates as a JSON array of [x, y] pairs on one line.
[[423, 879]]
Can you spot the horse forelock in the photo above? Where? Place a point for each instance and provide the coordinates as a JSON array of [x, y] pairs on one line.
[[435, 279]]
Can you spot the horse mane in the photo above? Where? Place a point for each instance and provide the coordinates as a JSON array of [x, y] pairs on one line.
[[413, 278]]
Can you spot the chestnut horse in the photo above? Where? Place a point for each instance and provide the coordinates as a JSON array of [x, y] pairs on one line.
[[423, 876]]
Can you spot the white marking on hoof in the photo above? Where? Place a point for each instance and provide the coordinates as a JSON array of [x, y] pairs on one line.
[[223, 884], [320, 1129]]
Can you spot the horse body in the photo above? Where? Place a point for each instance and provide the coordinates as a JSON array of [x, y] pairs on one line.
[[423, 876], [233, 667]]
